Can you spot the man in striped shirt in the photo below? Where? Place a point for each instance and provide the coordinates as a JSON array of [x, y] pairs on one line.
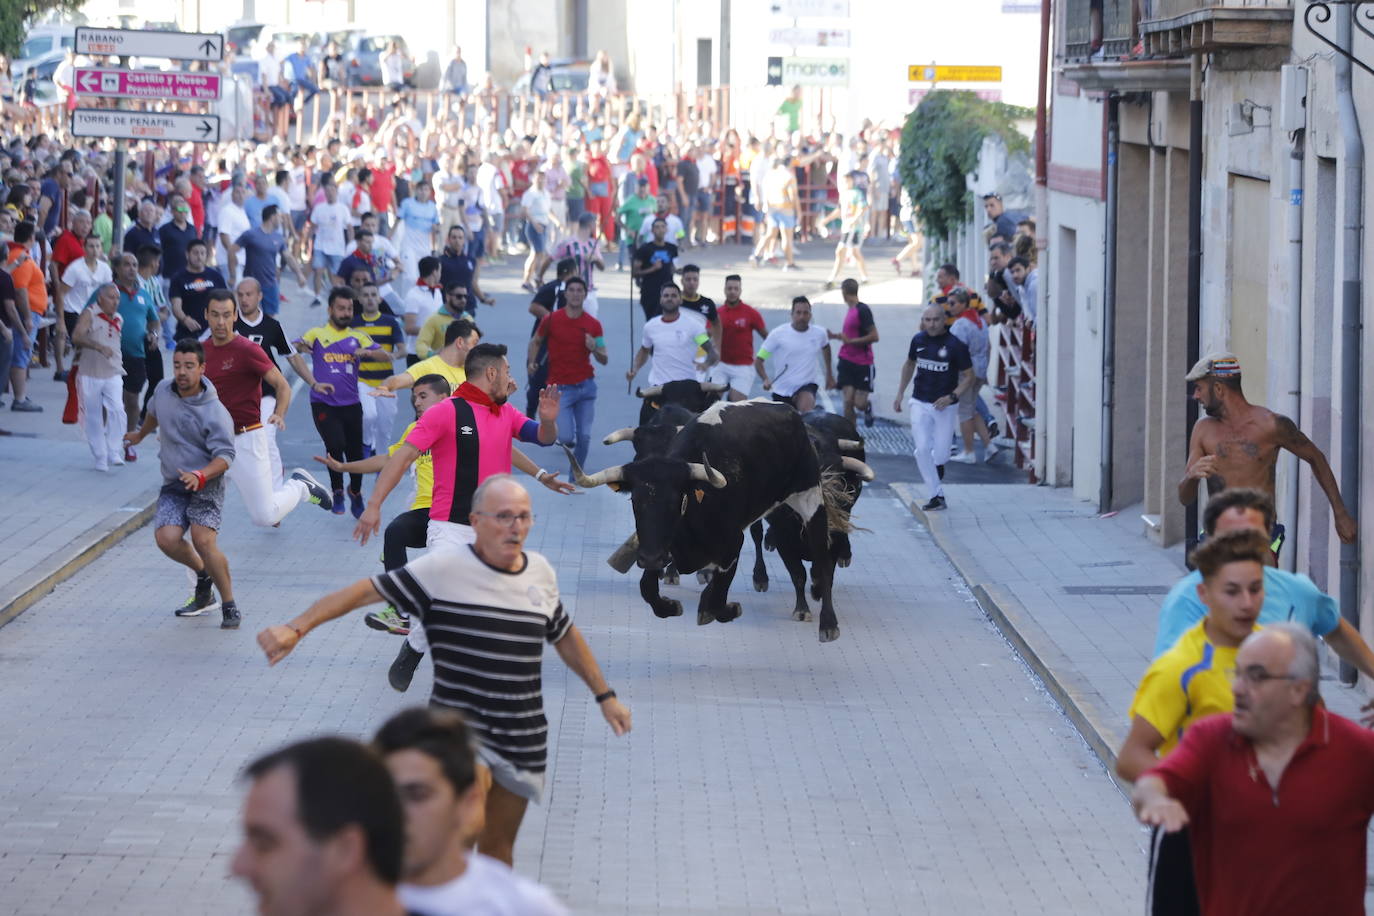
[[379, 414], [488, 609]]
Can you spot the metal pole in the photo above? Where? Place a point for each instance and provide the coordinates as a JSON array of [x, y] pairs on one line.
[[120, 165], [1104, 492], [1194, 271]]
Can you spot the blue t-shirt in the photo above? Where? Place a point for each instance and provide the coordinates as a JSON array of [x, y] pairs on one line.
[[419, 217], [939, 360], [136, 310], [261, 251], [1287, 596], [49, 188], [253, 208]]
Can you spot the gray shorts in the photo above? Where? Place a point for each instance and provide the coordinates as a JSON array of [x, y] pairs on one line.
[[180, 508], [968, 404], [524, 783]]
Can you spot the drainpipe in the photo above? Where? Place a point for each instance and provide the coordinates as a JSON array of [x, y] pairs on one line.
[[1104, 492], [1352, 163], [1294, 323], [1043, 472], [1194, 271]]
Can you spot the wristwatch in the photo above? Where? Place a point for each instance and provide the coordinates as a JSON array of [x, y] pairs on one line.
[[954, 399]]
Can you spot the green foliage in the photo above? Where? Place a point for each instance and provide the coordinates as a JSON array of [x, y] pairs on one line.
[[15, 16], [940, 144]]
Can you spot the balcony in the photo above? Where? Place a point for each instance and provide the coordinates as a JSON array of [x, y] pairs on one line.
[[1173, 28], [1097, 29]]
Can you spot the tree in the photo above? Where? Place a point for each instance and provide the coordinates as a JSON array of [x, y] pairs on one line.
[[940, 144], [15, 16]]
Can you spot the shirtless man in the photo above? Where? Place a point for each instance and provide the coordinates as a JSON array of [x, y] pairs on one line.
[[1237, 444]]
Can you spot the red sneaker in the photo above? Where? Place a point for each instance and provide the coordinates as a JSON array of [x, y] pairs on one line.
[[130, 454]]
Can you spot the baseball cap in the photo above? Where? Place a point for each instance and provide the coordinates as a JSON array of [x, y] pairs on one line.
[[1217, 365]]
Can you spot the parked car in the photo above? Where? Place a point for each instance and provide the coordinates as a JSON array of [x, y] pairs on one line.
[[569, 75], [240, 37], [363, 59], [43, 49]]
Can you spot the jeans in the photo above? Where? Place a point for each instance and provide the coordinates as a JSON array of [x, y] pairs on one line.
[[576, 410]]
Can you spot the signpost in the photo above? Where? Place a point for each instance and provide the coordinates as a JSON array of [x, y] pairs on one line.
[[147, 84], [145, 125], [206, 46], [815, 71], [809, 38], [932, 73]]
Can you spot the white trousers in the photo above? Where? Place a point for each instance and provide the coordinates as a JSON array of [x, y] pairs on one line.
[[266, 498], [269, 406], [440, 536], [379, 419], [102, 416], [933, 432]]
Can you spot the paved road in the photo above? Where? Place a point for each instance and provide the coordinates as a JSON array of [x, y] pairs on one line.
[[912, 767]]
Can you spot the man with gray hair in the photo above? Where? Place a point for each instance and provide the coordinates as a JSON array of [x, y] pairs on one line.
[[1282, 784]]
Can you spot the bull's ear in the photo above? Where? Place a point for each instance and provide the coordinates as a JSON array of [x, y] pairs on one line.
[[614, 485], [655, 405], [699, 493]]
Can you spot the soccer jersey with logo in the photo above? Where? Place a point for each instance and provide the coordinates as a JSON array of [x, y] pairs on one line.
[[334, 357], [385, 331], [468, 444], [939, 360]]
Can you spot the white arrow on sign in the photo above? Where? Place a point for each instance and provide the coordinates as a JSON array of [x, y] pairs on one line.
[[144, 125], [150, 43]]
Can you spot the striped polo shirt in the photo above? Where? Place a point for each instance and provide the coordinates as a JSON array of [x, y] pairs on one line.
[[386, 333], [486, 629]]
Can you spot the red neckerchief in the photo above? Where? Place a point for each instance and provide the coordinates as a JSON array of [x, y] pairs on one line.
[[971, 314], [421, 282], [470, 392], [114, 319], [131, 293], [365, 258]]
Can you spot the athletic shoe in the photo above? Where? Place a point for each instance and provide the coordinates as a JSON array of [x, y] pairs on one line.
[[202, 600], [965, 458], [26, 406], [993, 431], [388, 621], [355, 503], [314, 303], [403, 668], [990, 452], [59, 376], [337, 504], [868, 414], [129, 453], [231, 617], [790, 267], [317, 494], [936, 503]]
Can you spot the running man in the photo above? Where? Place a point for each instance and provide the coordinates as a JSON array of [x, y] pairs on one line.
[[1237, 444], [196, 447], [704, 306], [738, 325], [335, 350], [489, 608], [944, 374], [459, 337], [239, 368], [379, 414], [794, 349], [671, 338], [853, 222], [854, 372], [572, 337]]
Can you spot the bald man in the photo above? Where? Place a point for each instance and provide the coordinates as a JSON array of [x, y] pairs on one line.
[[944, 373]]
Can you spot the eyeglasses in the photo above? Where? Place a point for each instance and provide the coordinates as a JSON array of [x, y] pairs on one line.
[[1255, 675], [509, 519]]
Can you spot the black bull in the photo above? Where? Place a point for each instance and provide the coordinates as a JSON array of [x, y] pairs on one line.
[[695, 514]]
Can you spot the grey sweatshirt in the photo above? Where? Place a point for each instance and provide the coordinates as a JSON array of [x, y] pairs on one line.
[[191, 431]]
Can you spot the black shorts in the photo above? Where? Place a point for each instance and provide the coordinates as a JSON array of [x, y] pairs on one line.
[[812, 387], [854, 375], [70, 319], [135, 373], [1171, 889]]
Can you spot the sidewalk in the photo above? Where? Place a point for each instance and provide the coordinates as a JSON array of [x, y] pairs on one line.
[[1076, 594]]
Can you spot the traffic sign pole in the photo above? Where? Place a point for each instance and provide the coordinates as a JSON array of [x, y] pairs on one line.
[[120, 167]]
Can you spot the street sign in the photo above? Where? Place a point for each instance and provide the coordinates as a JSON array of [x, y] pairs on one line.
[[931, 73], [815, 71], [810, 38], [774, 71], [144, 125], [150, 43], [837, 9], [147, 84], [914, 96]]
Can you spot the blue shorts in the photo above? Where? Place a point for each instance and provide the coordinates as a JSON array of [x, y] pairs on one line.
[[703, 202], [298, 218], [332, 261], [783, 219], [271, 300], [534, 237], [23, 344]]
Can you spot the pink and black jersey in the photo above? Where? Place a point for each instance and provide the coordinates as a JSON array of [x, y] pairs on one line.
[[468, 443]]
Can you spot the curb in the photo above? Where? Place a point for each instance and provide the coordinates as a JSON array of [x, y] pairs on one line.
[[1086, 709], [29, 588]]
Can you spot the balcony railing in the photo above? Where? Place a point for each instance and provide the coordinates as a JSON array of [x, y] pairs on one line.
[[1173, 28], [1098, 29], [1171, 9]]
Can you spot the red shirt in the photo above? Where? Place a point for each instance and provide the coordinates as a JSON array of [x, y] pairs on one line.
[[383, 188], [467, 444], [520, 175], [570, 362], [1297, 848], [66, 249], [237, 369], [197, 209], [737, 326]]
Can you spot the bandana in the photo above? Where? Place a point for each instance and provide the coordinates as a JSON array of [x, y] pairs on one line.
[[470, 392]]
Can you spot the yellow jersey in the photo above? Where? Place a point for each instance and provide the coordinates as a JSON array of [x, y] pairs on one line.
[[435, 365], [1189, 682], [423, 469]]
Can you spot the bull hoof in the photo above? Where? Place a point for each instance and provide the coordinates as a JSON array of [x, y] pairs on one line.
[[815, 592], [704, 617], [830, 635], [732, 612], [802, 615], [668, 607], [704, 577], [669, 579], [843, 562], [761, 585]]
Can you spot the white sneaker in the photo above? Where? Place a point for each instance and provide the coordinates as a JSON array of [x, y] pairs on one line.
[[990, 452], [964, 458]]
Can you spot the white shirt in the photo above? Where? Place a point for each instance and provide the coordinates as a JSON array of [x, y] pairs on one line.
[[794, 355], [537, 204], [282, 199], [297, 191], [675, 346], [84, 282], [421, 301], [233, 222], [450, 199], [269, 68], [489, 182], [487, 888], [706, 169], [331, 220], [674, 226], [393, 66]]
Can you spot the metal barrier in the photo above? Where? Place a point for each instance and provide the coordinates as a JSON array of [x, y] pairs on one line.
[[1015, 345]]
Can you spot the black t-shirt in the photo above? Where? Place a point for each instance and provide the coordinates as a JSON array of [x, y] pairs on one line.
[[691, 178], [655, 253], [267, 333], [550, 295], [705, 306], [137, 237], [194, 292], [457, 270], [174, 243], [939, 360], [7, 295]]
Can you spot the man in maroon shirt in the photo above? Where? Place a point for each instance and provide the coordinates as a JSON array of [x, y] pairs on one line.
[[573, 338], [238, 368], [1277, 795]]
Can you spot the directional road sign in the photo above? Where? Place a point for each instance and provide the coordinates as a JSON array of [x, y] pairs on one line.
[[807, 38], [930, 73], [837, 9], [147, 84], [150, 43], [144, 125]]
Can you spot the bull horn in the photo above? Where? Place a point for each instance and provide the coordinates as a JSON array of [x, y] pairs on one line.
[[610, 475], [620, 435], [849, 464], [705, 472], [850, 445], [652, 391], [714, 387]]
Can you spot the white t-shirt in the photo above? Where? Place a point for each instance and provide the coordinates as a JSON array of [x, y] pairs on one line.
[[793, 354], [282, 199], [675, 346], [84, 282], [674, 226], [233, 222], [331, 220], [706, 169], [488, 888], [421, 301], [450, 199], [537, 203], [297, 191], [489, 182]]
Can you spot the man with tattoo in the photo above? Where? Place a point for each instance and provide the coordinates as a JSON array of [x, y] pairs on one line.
[[1237, 444]]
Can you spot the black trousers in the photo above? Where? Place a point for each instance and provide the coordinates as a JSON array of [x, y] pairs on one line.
[[341, 430], [1172, 888], [538, 379], [409, 529], [153, 357]]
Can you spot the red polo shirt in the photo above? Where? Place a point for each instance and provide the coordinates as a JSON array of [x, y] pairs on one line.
[[66, 249], [1258, 850], [237, 369]]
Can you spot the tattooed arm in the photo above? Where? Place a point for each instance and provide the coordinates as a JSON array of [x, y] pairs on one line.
[[1290, 437]]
